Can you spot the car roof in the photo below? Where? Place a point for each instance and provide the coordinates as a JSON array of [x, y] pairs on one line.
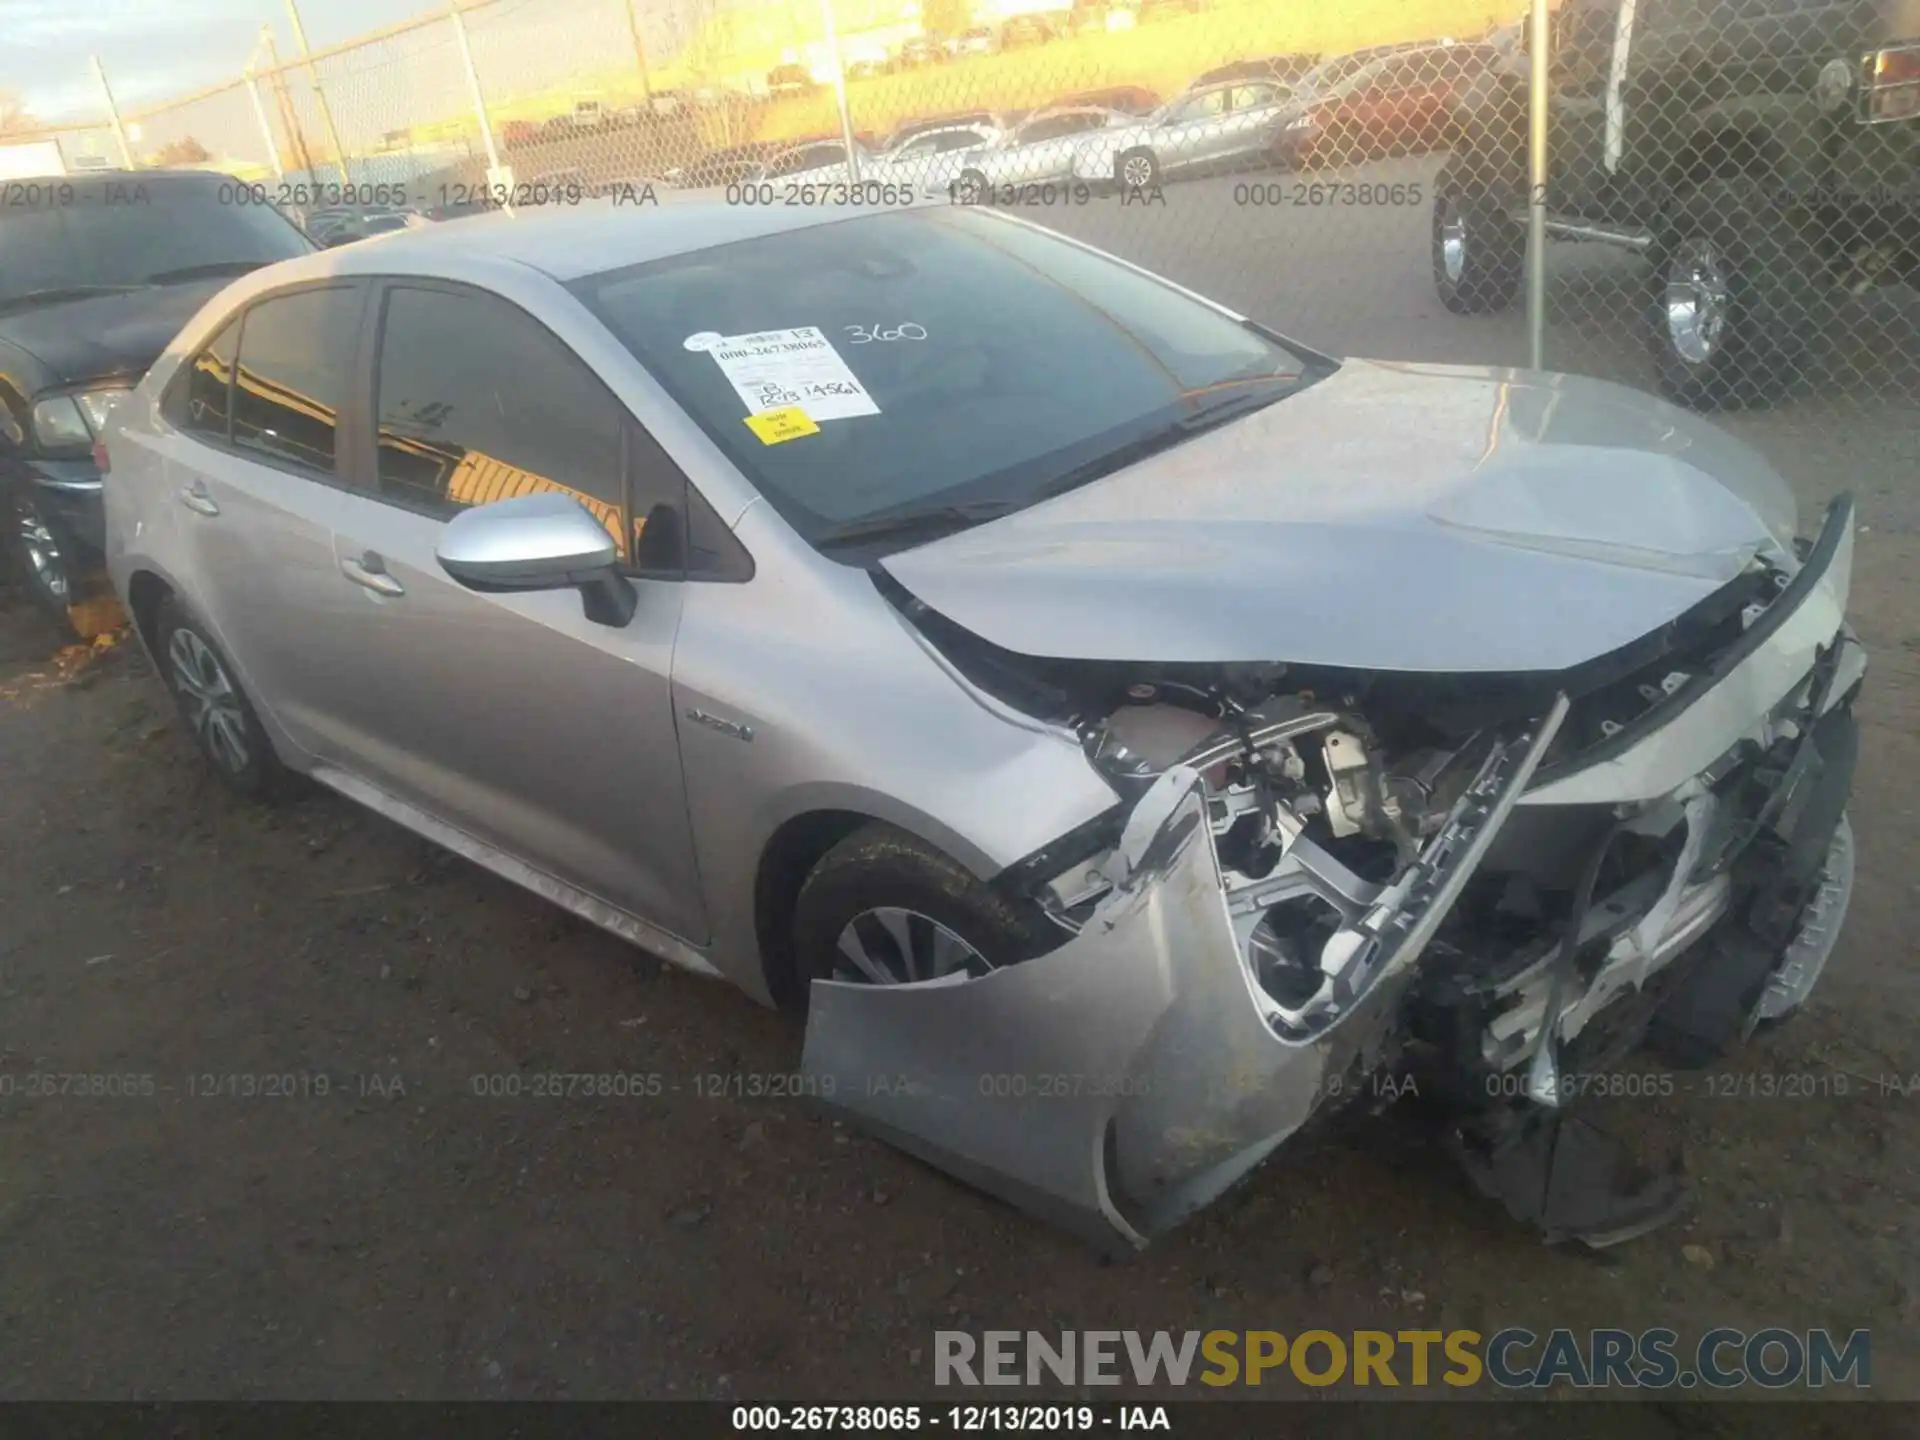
[[571, 242]]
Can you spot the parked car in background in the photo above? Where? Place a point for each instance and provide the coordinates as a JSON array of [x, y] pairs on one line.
[[790, 80], [729, 166], [1396, 105], [1041, 148], [946, 120], [1134, 100], [1021, 31], [97, 272], [342, 225], [1284, 69], [928, 160], [1211, 128], [921, 51], [980, 40], [1027, 667]]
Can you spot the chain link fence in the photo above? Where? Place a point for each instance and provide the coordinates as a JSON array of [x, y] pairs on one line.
[[1728, 210]]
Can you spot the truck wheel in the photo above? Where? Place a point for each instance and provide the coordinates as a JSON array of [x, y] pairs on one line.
[[1739, 294], [1479, 249]]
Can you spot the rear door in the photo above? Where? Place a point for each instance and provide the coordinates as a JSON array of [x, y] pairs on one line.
[[254, 462], [512, 717]]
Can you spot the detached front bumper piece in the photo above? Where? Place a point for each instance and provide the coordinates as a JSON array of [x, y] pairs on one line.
[[1125, 1080]]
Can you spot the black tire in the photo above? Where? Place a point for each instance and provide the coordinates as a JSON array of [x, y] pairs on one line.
[[1485, 276], [1778, 296], [43, 557], [970, 189], [1144, 166], [881, 867], [250, 768]]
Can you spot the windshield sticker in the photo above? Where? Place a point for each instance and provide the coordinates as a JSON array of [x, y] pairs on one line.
[[775, 427], [778, 368], [704, 340]]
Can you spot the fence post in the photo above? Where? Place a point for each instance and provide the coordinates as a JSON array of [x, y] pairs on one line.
[[495, 173], [1538, 93], [640, 57], [266, 130], [113, 111], [319, 95], [840, 90]]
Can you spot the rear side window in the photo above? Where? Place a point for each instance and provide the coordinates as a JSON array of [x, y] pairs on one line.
[[207, 390], [479, 402], [296, 363]]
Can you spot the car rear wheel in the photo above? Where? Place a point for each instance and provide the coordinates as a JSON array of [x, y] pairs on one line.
[[1479, 249], [1739, 294], [216, 711], [43, 558], [884, 908], [1137, 170], [970, 188]]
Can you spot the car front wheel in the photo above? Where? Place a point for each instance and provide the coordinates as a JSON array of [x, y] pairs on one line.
[[970, 188], [884, 908], [217, 713]]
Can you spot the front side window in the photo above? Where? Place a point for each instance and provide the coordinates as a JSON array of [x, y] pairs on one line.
[[294, 373], [946, 356], [477, 401]]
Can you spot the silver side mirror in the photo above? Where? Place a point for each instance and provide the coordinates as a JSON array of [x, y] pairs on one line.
[[539, 542]]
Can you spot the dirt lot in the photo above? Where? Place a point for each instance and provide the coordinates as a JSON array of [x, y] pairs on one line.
[[402, 1236]]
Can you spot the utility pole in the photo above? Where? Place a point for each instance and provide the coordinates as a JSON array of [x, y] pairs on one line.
[[840, 90], [283, 102], [113, 113], [497, 175], [640, 57], [319, 95]]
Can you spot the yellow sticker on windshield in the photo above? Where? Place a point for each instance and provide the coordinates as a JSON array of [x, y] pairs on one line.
[[774, 427]]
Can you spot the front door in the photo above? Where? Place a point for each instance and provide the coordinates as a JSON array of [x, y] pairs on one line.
[[513, 716]]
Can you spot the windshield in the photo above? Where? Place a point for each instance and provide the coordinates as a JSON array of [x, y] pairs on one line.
[[122, 233], [947, 357]]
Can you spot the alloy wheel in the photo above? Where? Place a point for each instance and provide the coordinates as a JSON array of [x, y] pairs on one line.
[[891, 946], [1699, 297], [1136, 172], [43, 556], [1453, 240], [211, 700]]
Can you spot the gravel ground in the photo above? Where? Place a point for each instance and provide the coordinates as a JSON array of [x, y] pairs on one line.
[[383, 1230]]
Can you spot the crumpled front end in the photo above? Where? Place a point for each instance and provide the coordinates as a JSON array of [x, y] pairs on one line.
[[1126, 1079], [1317, 887]]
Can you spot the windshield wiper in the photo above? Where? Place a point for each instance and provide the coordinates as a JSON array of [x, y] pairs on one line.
[[928, 523], [56, 294], [205, 272], [1173, 433]]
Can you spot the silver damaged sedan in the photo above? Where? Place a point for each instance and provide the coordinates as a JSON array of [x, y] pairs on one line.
[[1125, 732]]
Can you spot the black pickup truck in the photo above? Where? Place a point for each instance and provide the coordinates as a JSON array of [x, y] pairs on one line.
[[1764, 155]]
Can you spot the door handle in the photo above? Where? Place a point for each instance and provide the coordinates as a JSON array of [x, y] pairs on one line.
[[370, 572], [195, 497]]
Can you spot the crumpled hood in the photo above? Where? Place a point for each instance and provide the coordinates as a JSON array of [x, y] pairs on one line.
[[1392, 517]]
